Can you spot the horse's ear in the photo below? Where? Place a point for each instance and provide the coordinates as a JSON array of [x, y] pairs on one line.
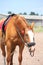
[[32, 25]]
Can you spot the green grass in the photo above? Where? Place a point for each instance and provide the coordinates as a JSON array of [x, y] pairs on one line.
[[38, 29]]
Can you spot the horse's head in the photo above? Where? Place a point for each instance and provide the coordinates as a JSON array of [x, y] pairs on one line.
[[27, 33], [29, 39]]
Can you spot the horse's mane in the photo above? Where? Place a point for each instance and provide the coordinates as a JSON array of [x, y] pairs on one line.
[[6, 21], [8, 18]]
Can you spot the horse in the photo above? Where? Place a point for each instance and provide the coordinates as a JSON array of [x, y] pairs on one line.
[[16, 31]]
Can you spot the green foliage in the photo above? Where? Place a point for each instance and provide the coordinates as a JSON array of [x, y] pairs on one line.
[[38, 29], [9, 12], [33, 13], [24, 13], [20, 13]]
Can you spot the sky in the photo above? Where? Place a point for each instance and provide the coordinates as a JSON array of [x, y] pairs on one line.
[[21, 6]]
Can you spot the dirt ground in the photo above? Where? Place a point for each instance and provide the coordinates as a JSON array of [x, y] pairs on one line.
[[27, 59]]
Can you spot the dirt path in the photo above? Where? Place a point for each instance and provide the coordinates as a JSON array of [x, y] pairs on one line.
[[27, 59]]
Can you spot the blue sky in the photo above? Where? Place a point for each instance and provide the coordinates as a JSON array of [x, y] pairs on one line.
[[21, 6]]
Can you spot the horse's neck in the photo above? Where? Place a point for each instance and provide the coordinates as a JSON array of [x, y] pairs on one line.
[[21, 23]]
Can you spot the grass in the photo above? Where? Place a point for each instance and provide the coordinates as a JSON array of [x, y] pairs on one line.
[[38, 29]]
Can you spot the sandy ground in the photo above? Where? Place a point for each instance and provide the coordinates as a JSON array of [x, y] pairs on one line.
[[27, 59]]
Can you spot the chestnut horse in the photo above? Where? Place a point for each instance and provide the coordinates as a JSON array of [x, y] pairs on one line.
[[16, 31]]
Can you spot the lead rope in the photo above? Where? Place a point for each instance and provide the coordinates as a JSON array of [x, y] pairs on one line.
[[20, 35]]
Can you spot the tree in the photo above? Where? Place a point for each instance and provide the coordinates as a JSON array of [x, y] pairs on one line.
[[24, 13], [20, 13], [32, 13], [9, 12]]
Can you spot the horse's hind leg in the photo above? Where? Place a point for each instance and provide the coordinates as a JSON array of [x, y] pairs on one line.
[[20, 54], [3, 52], [2, 45], [3, 49]]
